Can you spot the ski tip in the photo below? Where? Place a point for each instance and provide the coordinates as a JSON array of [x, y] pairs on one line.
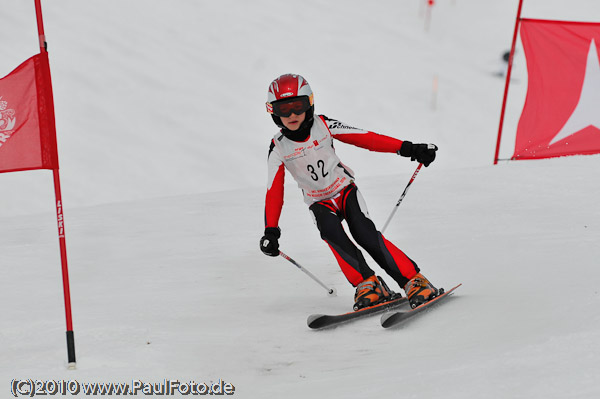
[[313, 319], [451, 290], [384, 318]]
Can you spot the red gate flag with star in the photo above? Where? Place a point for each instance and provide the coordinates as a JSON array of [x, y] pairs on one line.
[[27, 130], [561, 115]]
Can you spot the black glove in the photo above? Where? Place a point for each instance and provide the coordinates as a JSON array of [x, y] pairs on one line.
[[269, 244], [422, 153]]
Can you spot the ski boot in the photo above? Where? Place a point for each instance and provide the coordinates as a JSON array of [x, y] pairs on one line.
[[419, 291], [371, 291]]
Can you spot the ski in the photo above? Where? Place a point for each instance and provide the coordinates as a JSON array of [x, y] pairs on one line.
[[395, 318], [319, 321]]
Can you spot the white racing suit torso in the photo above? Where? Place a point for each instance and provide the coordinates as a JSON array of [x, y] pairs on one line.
[[314, 164]]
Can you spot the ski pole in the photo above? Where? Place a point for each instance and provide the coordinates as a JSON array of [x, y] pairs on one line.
[[330, 291], [402, 197]]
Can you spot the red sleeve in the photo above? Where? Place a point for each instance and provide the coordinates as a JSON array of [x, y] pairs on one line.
[[274, 198], [371, 141]]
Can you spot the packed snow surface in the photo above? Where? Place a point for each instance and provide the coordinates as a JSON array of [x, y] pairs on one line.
[[163, 139]]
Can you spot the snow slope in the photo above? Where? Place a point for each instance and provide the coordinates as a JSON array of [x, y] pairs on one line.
[[162, 140], [145, 93]]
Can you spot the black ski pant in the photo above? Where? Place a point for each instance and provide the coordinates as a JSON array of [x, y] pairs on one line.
[[349, 205]]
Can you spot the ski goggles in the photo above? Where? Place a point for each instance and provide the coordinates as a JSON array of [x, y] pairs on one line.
[[285, 108]]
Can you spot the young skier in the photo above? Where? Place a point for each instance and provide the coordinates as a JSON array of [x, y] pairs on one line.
[[304, 146]]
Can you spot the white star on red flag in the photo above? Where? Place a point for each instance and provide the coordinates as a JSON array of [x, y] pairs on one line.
[[587, 112]]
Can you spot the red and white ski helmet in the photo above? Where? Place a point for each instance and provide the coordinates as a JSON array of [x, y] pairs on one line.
[[288, 86]]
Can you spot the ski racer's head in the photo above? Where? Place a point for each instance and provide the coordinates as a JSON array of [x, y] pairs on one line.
[[290, 103]]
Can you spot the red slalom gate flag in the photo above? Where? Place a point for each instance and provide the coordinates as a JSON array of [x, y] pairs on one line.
[[561, 115], [27, 130]]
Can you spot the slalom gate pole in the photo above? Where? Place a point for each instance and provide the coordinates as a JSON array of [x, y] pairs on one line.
[[507, 83], [330, 291], [59, 204], [65, 272], [412, 179]]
